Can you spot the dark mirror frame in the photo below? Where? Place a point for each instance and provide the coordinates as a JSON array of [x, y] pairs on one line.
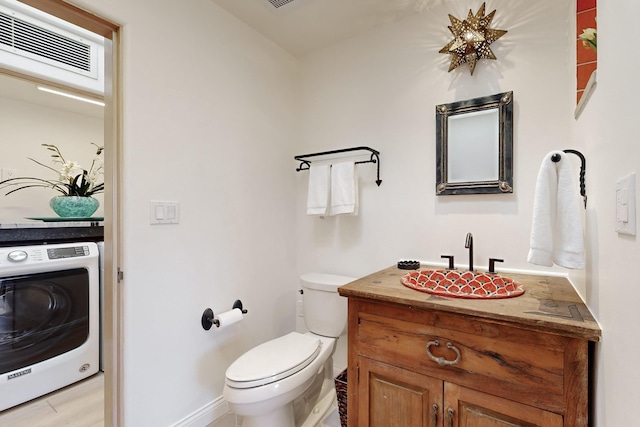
[[504, 103]]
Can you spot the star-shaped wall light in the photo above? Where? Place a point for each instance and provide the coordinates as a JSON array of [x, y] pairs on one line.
[[472, 38]]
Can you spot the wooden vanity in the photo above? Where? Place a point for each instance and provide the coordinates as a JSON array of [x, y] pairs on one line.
[[421, 360]]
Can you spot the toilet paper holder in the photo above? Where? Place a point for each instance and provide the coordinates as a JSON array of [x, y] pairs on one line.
[[209, 319]]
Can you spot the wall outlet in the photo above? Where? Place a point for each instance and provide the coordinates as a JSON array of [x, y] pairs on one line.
[[8, 173]]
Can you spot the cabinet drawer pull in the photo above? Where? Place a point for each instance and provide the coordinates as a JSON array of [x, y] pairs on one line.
[[450, 413], [441, 360], [434, 408]]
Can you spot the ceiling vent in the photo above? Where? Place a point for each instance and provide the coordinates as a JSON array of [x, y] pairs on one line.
[[279, 3], [46, 47]]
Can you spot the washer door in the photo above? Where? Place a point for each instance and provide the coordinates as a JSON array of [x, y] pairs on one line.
[[41, 316]]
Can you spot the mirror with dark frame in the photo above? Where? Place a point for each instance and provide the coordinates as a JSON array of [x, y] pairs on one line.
[[474, 146]]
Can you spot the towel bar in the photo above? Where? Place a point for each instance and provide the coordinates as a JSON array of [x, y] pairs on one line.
[[375, 158], [583, 168]]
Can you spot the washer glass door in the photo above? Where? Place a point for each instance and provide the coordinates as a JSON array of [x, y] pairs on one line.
[[42, 316]]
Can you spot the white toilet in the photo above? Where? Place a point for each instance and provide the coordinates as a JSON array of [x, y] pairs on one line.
[[288, 381]]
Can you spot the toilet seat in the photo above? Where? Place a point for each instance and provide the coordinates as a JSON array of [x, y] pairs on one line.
[[273, 360]]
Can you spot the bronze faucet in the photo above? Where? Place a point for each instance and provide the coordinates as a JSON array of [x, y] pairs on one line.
[[469, 245]]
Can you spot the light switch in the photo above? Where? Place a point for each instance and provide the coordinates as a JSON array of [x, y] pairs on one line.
[[626, 205], [161, 212], [171, 212]]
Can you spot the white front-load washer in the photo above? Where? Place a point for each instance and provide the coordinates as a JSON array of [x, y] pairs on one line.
[[49, 315], [101, 286]]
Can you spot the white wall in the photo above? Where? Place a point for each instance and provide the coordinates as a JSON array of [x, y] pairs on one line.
[[24, 127], [381, 89], [608, 130], [207, 121]]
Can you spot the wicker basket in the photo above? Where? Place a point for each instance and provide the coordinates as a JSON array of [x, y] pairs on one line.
[[341, 392]]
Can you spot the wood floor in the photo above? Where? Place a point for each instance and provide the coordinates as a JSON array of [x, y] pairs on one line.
[[78, 405], [82, 405]]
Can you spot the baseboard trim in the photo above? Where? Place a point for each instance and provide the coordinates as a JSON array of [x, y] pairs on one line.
[[205, 415]]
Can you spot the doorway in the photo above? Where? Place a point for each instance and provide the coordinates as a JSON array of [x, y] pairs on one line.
[[112, 297]]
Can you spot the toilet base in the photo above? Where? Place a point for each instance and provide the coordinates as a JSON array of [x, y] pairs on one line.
[[283, 417], [321, 410], [289, 401]]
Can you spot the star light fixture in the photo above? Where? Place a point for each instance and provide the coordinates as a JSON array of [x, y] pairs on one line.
[[472, 38]]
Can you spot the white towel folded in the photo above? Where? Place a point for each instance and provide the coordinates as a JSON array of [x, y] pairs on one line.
[[344, 189], [557, 234], [318, 194]]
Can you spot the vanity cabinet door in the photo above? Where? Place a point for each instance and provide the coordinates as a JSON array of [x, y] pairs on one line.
[[389, 396], [469, 408]]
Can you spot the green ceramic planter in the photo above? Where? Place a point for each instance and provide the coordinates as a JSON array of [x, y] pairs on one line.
[[74, 206]]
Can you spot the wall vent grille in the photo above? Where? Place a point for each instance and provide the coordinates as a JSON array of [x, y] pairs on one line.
[[279, 3], [37, 42]]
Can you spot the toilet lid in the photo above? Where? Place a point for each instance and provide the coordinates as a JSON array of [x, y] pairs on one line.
[[273, 360]]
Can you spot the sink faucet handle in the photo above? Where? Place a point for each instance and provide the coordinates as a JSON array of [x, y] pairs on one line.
[[451, 267], [492, 262]]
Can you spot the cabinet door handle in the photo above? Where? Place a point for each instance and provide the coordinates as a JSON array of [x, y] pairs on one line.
[[441, 360], [434, 408], [450, 413]]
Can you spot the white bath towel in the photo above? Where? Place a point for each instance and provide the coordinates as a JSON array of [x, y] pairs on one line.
[[557, 234], [319, 187], [344, 189]]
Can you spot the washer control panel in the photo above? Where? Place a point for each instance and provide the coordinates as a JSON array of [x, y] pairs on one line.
[[21, 257], [67, 252]]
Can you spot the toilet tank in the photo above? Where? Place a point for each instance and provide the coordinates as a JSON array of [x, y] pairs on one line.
[[325, 312]]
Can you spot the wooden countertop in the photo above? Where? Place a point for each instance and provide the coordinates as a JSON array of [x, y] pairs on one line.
[[549, 303]]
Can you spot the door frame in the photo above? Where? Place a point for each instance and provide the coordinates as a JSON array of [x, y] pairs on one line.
[[113, 313]]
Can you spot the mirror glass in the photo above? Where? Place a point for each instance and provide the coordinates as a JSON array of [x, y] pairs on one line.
[[474, 145]]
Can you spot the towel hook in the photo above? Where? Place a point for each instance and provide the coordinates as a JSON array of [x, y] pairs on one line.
[[583, 168]]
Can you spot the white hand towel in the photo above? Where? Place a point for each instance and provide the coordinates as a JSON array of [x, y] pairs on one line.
[[557, 234], [344, 189], [318, 194]]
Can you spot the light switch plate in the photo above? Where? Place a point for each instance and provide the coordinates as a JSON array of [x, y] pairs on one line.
[[626, 205], [164, 212]]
